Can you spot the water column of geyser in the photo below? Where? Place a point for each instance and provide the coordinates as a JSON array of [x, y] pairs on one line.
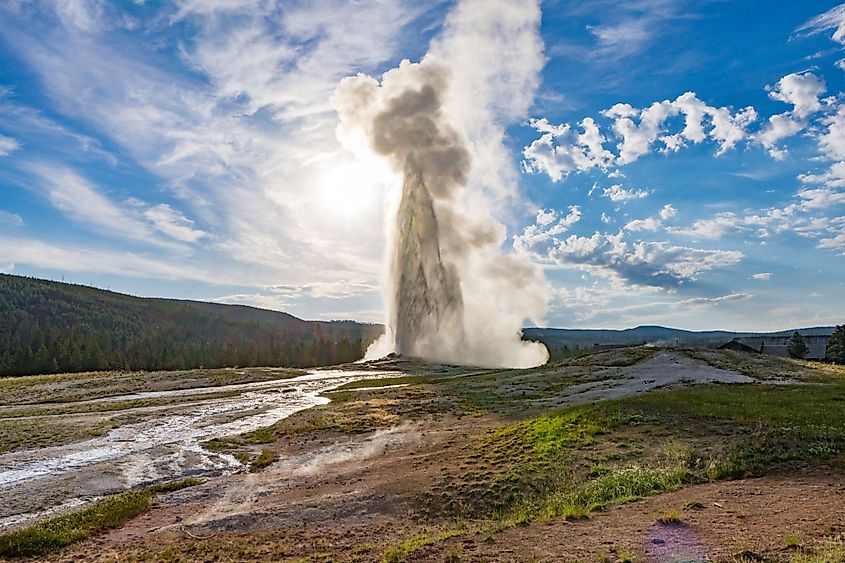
[[435, 245], [426, 293]]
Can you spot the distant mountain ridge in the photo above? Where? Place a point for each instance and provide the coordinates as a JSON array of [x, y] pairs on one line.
[[48, 326], [646, 334]]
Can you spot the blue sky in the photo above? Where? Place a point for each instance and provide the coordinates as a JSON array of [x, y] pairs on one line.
[[662, 161]]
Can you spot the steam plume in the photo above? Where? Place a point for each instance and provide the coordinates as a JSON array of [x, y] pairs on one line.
[[437, 246]]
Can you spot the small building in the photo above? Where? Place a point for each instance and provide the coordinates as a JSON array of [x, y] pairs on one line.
[[777, 345]]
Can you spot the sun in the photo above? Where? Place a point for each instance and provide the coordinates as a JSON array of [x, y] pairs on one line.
[[350, 187]]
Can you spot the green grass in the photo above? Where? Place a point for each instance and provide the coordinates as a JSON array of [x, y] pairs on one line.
[[265, 458], [60, 531], [586, 458], [263, 435], [831, 550], [408, 548], [671, 516], [792, 541]]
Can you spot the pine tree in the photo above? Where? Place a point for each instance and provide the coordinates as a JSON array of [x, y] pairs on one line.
[[797, 347], [836, 345]]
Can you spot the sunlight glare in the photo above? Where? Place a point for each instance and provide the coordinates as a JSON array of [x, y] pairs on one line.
[[350, 187]]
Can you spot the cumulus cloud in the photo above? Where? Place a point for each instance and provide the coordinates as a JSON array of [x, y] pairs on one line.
[[652, 223], [617, 194], [802, 91], [640, 131], [545, 228], [667, 212], [655, 264], [713, 228], [649, 224], [560, 150]]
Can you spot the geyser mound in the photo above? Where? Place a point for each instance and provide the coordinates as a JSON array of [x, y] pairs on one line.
[[452, 296]]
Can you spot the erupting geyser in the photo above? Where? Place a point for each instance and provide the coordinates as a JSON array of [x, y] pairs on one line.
[[427, 293], [438, 244]]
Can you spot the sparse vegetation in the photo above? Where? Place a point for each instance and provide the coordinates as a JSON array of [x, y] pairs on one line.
[[60, 531], [831, 550], [792, 541], [671, 516], [265, 458]]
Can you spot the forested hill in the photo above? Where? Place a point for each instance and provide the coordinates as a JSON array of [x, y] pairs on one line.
[[48, 327]]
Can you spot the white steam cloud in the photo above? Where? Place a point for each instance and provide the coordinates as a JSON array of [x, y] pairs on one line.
[[452, 295]]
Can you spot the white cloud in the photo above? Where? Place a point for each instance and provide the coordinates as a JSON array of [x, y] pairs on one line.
[[779, 127], [173, 223], [543, 231], [85, 204], [580, 151], [11, 218], [667, 212], [762, 276], [713, 228], [90, 260], [638, 138], [802, 90], [80, 200], [8, 145], [82, 15], [832, 141], [649, 224], [559, 151], [245, 147], [832, 19], [616, 193], [652, 223], [654, 264]]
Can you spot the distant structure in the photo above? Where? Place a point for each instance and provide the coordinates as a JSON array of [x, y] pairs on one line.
[[776, 345]]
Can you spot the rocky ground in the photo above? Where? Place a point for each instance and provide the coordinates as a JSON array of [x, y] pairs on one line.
[[630, 455]]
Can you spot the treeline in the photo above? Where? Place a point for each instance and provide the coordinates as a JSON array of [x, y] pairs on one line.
[[562, 352], [50, 327]]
